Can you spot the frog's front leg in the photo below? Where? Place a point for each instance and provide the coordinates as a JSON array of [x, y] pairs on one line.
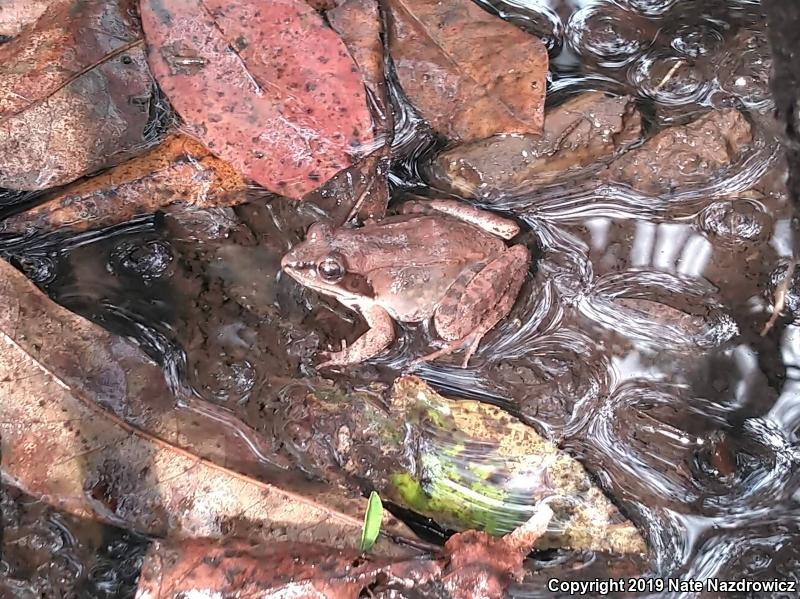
[[488, 221], [379, 336], [472, 308]]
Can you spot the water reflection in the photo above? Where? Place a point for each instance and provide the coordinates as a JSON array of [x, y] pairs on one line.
[[636, 343]]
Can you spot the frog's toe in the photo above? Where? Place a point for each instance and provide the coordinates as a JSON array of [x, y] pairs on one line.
[[449, 349]]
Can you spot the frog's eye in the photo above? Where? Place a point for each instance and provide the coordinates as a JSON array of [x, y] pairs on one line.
[[331, 269]]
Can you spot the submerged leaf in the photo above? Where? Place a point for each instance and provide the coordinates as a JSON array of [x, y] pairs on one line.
[[372, 522], [469, 73], [88, 424], [579, 137], [465, 464], [266, 86], [75, 94], [472, 565], [178, 170], [684, 156]]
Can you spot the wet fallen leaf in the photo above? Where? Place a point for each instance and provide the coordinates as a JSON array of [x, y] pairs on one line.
[[88, 424], [469, 73], [684, 155], [75, 94], [266, 86], [15, 15], [322, 5], [472, 565], [178, 170], [578, 136], [462, 463], [372, 522], [358, 23], [363, 190]]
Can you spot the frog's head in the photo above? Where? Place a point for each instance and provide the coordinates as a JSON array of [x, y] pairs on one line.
[[315, 263]]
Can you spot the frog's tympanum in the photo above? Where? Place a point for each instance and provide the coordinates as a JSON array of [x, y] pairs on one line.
[[439, 259]]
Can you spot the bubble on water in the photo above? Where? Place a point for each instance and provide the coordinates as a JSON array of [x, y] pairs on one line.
[[669, 80], [743, 71], [609, 34], [226, 379], [651, 8], [755, 465], [41, 269], [696, 40], [735, 221], [147, 260]]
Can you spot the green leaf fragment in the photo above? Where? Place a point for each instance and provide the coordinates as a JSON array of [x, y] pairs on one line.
[[372, 522]]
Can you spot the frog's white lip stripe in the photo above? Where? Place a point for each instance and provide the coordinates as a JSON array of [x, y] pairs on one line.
[[299, 265]]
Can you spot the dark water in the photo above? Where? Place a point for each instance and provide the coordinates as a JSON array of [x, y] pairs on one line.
[[636, 342]]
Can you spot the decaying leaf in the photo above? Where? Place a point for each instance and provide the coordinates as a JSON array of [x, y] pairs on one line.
[[15, 15], [472, 565], [684, 156], [358, 23], [88, 424], [178, 170], [363, 189], [266, 86], [578, 137], [75, 94], [469, 73], [462, 463]]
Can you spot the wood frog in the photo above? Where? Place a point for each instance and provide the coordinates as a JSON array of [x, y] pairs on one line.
[[439, 259]]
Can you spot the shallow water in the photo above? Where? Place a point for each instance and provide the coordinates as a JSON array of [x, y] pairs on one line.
[[636, 342]]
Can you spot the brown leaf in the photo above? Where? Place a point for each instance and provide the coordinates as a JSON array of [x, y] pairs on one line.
[[470, 74], [264, 85], [579, 134], [75, 94], [358, 23], [322, 5], [178, 170], [363, 189], [88, 424], [473, 565], [15, 15], [251, 570]]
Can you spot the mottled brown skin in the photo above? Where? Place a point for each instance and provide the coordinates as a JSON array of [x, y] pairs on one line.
[[441, 259]]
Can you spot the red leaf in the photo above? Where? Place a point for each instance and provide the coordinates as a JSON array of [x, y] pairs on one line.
[[265, 85]]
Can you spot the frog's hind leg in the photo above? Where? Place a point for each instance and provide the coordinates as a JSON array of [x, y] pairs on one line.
[[488, 221], [467, 320]]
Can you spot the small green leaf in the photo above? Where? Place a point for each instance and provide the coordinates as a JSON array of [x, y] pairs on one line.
[[372, 522]]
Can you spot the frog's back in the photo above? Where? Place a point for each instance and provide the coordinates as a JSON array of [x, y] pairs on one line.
[[417, 240]]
